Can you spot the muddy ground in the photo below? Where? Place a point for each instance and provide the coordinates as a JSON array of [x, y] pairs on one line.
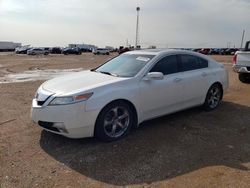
[[191, 148]]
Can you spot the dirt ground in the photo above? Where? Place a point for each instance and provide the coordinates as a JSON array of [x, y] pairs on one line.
[[191, 148]]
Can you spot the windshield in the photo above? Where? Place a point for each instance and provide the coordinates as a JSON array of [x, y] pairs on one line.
[[126, 65]]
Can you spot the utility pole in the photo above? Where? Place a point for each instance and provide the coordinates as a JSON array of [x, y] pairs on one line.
[[137, 28], [242, 39]]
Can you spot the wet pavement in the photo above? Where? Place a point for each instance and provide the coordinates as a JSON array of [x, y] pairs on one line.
[[34, 75]]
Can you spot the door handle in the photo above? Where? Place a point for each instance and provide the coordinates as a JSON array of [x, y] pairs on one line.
[[204, 74], [177, 79]]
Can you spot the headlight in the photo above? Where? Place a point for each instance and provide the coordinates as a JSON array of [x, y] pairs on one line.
[[70, 99]]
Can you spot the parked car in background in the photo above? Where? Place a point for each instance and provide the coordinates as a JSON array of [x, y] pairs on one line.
[[106, 102], [55, 50], [22, 50], [123, 50], [67, 51], [241, 63], [223, 51], [102, 51], [230, 51], [196, 49], [85, 50], [37, 51], [204, 51], [214, 51]]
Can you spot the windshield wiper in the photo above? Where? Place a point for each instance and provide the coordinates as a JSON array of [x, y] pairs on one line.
[[108, 73]]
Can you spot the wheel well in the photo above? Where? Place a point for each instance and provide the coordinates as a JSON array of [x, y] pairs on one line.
[[221, 87], [131, 106]]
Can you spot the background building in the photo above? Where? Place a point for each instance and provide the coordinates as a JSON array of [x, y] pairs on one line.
[[8, 46]]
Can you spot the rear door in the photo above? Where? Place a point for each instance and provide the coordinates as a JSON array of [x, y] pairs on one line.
[[195, 79]]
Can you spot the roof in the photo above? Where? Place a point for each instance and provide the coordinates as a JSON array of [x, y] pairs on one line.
[[166, 51], [155, 51]]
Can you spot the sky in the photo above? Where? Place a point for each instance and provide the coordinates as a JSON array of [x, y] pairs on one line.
[[163, 23]]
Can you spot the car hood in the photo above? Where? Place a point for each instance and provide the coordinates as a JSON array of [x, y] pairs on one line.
[[78, 82]]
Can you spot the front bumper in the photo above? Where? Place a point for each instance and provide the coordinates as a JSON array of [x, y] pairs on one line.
[[241, 69], [72, 120]]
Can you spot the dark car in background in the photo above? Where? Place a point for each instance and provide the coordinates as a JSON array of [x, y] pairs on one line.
[[123, 50], [230, 51], [67, 51], [22, 50], [214, 51], [55, 50], [204, 51], [222, 51], [83, 50]]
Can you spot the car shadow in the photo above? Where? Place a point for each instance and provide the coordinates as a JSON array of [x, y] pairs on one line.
[[162, 148]]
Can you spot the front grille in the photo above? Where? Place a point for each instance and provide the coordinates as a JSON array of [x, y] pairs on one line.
[[48, 125]]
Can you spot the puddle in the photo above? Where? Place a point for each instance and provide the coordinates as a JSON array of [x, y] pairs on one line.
[[35, 75]]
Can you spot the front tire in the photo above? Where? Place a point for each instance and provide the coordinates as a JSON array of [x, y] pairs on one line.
[[244, 78], [213, 97], [114, 121]]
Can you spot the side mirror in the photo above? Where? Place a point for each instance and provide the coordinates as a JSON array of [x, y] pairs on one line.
[[154, 76]]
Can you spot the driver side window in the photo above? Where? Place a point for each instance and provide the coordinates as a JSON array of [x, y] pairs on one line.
[[167, 65]]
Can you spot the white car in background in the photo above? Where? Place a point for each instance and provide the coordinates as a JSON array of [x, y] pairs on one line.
[[37, 51], [102, 51], [134, 87]]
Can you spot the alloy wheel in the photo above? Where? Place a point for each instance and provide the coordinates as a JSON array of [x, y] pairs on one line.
[[214, 97], [116, 121]]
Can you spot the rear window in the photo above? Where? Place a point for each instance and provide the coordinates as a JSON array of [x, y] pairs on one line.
[[190, 62]]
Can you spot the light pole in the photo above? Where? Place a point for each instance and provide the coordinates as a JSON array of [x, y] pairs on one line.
[[137, 28], [242, 39]]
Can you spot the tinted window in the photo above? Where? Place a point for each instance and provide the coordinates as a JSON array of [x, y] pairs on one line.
[[189, 62], [167, 65], [202, 63]]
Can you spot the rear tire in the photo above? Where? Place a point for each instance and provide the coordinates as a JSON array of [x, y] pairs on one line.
[[244, 78], [213, 97], [114, 121]]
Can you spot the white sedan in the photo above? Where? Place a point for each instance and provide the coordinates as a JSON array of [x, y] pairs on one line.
[[109, 100], [37, 51], [101, 51]]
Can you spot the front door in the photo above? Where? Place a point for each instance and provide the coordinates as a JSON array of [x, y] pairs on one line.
[[159, 97]]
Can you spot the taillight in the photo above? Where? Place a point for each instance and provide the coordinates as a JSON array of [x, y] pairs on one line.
[[234, 59]]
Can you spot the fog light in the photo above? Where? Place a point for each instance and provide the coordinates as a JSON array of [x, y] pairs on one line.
[[60, 126]]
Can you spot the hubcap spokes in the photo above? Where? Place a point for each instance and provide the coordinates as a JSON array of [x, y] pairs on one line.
[[214, 98], [116, 121]]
